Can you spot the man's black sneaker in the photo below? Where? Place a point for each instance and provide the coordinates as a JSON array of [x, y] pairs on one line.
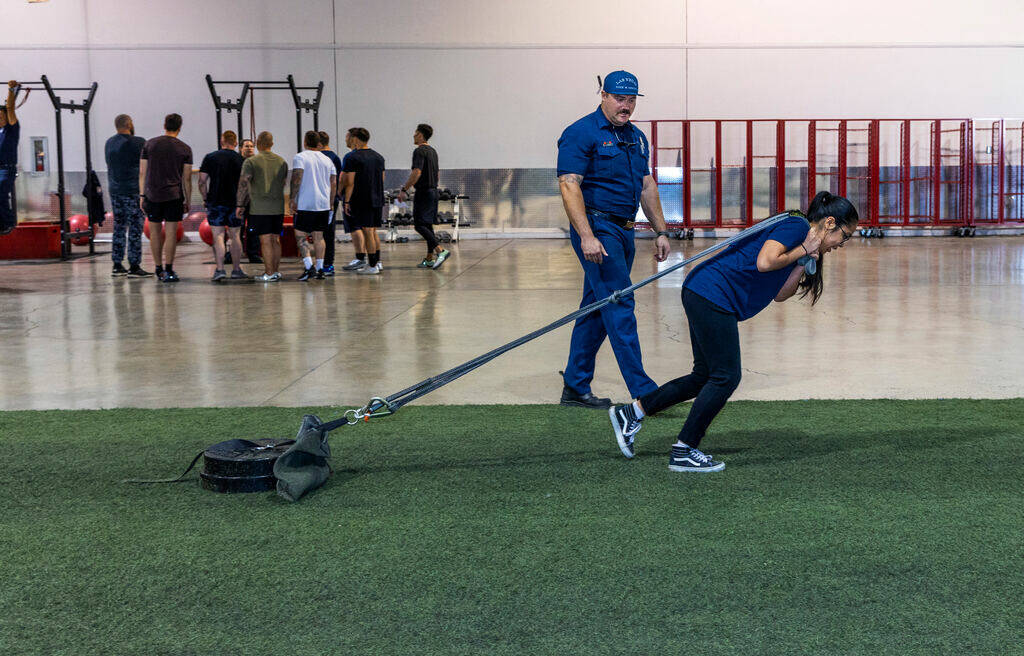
[[685, 459], [320, 275], [118, 270], [588, 400], [135, 271], [307, 274], [218, 275], [170, 275], [626, 426], [160, 273]]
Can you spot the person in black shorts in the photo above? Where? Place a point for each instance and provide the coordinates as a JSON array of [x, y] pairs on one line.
[[218, 184], [364, 195], [424, 204], [314, 183], [261, 190], [165, 176], [329, 234], [250, 240]]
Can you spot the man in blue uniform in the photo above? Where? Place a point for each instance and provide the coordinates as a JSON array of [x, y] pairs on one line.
[[10, 130], [604, 176]]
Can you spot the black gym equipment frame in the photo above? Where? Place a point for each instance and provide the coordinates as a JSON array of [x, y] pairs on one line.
[[59, 105], [248, 86]]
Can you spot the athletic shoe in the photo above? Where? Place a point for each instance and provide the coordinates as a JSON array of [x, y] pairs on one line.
[[307, 274], [685, 459], [426, 264], [238, 274], [588, 400], [170, 276], [329, 270], [266, 277], [218, 275], [8, 229], [626, 426], [135, 271], [276, 276], [354, 265], [118, 270], [160, 273], [380, 266], [441, 257], [368, 271], [320, 275]]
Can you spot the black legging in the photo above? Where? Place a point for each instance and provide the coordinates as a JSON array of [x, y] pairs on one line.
[[424, 211], [329, 235], [715, 338]]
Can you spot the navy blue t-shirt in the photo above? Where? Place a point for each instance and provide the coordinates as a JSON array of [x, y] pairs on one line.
[[333, 156], [122, 153], [612, 160], [9, 144], [731, 280]]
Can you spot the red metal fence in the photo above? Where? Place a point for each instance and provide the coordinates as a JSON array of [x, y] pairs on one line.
[[902, 173]]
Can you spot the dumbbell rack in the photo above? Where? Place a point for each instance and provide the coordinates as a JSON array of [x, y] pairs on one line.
[[396, 216]]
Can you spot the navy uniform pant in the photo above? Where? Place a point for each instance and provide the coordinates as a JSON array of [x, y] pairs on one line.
[[128, 218], [615, 321], [8, 217]]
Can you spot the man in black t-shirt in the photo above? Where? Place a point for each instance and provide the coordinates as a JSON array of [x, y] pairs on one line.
[[218, 183], [122, 152], [165, 177], [424, 204], [364, 195], [329, 234]]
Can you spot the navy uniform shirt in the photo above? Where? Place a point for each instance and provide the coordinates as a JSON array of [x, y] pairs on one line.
[[731, 280], [612, 160]]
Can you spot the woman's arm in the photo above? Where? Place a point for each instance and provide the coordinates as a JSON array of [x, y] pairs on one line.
[[792, 283], [774, 256]]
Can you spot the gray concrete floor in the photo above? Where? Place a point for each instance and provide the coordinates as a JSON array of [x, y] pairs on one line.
[[900, 318]]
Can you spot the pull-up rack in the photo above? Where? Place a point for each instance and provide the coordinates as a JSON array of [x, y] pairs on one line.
[[59, 105], [237, 104]]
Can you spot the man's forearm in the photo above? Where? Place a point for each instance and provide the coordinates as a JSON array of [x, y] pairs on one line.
[[414, 175], [572, 200], [293, 186], [650, 202], [142, 176], [242, 198], [186, 188]]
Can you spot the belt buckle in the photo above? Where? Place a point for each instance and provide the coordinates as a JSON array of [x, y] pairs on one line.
[[629, 225]]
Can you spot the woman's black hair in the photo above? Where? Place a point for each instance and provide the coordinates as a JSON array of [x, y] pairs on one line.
[[823, 206]]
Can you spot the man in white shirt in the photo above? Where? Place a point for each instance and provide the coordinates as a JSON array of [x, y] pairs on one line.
[[314, 183]]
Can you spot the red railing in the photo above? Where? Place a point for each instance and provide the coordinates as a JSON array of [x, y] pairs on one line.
[[900, 173]]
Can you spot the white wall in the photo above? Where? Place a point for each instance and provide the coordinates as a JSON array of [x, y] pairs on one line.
[[500, 80]]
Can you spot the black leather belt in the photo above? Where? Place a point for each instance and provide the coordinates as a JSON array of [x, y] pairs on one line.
[[620, 221]]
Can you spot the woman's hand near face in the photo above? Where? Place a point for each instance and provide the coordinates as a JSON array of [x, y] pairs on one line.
[[812, 242]]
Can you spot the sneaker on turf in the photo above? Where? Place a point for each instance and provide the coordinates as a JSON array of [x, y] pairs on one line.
[[307, 274], [135, 271], [626, 426], [441, 257], [354, 265], [238, 274], [686, 459], [218, 275], [118, 270], [368, 271], [329, 270]]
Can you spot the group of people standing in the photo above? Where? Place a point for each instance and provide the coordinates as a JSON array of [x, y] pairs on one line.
[[244, 194]]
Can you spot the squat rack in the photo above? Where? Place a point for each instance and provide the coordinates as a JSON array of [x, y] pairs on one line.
[[237, 105], [59, 105]]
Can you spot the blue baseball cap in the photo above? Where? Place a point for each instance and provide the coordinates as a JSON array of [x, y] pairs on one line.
[[622, 83]]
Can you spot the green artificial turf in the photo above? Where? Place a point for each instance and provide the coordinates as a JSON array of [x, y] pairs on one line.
[[846, 527]]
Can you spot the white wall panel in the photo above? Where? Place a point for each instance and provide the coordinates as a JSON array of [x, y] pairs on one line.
[[43, 23], [210, 22], [864, 21], [491, 108], [929, 83], [522, 22]]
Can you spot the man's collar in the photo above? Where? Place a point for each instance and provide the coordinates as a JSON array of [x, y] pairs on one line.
[[601, 121]]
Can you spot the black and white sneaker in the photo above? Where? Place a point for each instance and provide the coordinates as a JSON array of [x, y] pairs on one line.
[[170, 275], [118, 270], [626, 426], [307, 274], [686, 459]]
